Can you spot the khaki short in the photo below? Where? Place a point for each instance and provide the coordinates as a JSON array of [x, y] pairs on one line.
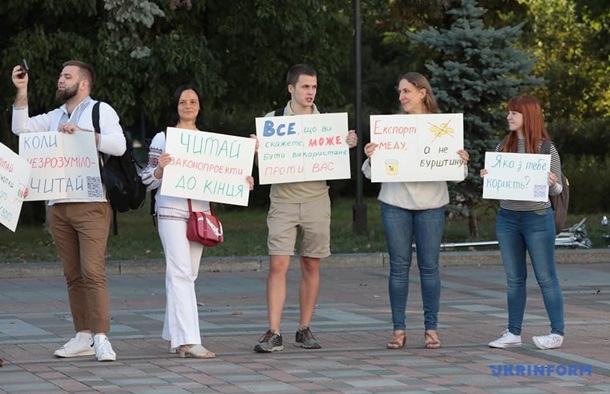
[[310, 219]]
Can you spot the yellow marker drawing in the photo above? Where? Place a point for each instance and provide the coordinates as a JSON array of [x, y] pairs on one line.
[[391, 167], [441, 130]]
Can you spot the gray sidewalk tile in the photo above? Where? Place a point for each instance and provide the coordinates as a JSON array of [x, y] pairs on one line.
[[352, 321]]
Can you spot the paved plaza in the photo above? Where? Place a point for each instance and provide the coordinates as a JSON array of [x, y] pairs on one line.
[[352, 322]]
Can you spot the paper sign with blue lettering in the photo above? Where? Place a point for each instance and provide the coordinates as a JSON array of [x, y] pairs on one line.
[[417, 148], [301, 148], [208, 166], [14, 178], [63, 165], [516, 176]]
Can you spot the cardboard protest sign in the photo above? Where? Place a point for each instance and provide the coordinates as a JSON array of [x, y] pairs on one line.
[[14, 178], [417, 148], [63, 165], [301, 148], [516, 176], [208, 166]]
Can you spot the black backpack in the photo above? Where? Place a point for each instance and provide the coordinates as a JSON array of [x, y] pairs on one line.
[[124, 187], [559, 202]]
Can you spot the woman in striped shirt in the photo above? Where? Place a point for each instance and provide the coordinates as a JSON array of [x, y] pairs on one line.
[[528, 226]]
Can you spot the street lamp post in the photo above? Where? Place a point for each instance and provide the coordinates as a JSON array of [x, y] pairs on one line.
[[359, 209]]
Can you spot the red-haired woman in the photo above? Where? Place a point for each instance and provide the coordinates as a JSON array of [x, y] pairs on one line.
[[528, 226]]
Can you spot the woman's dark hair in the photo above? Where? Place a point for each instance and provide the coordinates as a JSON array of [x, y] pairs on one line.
[[173, 108]]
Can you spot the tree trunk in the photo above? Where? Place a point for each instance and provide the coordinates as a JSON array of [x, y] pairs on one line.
[[473, 226]]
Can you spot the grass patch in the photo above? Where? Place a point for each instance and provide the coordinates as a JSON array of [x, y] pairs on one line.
[[246, 234]]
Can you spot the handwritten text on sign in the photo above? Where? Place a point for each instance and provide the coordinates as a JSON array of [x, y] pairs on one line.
[[63, 166], [208, 166], [14, 177], [302, 148], [417, 148], [516, 176]]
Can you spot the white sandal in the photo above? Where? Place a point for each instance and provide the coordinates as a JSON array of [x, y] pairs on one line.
[[196, 351]]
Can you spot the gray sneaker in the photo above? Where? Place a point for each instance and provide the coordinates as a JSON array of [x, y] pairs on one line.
[[304, 337], [270, 342]]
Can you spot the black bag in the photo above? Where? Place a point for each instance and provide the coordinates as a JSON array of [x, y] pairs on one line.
[[124, 187], [559, 202]]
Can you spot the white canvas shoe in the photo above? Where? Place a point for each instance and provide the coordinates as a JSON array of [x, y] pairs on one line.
[[547, 342], [80, 345], [103, 349], [506, 340]]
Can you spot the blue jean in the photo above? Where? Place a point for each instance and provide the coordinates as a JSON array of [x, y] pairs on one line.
[[401, 226], [534, 232]]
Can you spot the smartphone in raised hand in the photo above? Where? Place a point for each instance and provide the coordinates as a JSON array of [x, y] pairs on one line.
[[24, 68]]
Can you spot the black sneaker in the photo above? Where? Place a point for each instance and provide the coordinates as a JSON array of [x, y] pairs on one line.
[[270, 342], [304, 337]]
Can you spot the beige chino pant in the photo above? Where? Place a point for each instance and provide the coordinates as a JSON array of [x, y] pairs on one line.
[[80, 232]]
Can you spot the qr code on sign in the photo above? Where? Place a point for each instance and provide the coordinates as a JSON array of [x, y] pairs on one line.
[[94, 186], [540, 191]]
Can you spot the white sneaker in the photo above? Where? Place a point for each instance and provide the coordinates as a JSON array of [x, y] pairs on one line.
[[546, 342], [103, 349], [80, 345], [506, 340]]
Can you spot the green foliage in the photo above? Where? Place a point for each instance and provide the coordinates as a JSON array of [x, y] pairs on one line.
[[238, 53], [475, 71], [241, 33], [142, 50], [585, 159], [586, 137], [123, 24], [246, 234], [570, 38], [589, 186]]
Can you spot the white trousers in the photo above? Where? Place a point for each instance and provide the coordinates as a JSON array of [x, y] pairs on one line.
[[182, 257]]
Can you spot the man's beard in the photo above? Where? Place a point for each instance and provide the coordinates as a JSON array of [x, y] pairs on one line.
[[63, 95]]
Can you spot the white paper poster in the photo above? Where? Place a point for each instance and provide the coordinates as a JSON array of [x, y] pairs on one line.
[[63, 165], [417, 148], [208, 166], [516, 176], [14, 178], [302, 148]]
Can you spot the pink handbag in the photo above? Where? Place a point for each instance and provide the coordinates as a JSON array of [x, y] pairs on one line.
[[203, 228]]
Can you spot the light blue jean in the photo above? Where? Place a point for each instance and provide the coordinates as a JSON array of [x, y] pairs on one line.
[[401, 226], [534, 232]]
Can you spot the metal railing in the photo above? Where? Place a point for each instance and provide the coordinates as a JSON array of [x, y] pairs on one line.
[[572, 237]]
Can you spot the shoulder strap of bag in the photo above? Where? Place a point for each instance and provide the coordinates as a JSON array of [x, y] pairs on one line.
[[546, 147], [95, 115], [191, 207], [95, 118]]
